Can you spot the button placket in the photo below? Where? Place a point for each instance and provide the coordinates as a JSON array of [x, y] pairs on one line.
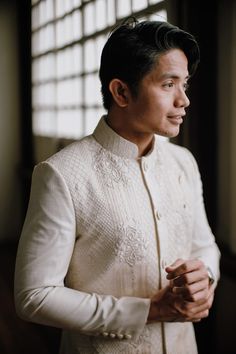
[[145, 165]]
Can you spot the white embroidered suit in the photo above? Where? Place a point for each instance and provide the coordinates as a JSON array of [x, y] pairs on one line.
[[102, 224]]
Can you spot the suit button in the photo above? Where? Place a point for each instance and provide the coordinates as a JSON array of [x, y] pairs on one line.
[[128, 336], [158, 215], [105, 334], [120, 336], [145, 166], [112, 335], [163, 264]]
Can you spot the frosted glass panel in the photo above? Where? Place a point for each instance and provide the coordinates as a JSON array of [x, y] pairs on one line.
[[100, 9], [44, 68], [65, 62], [68, 5], [68, 29], [92, 116], [111, 19], [60, 35], [45, 123], [123, 8], [139, 5], [76, 24], [100, 41], [89, 19], [77, 59], [90, 90], [89, 51], [76, 3], [60, 7], [69, 124], [43, 95], [69, 93], [35, 17], [155, 1], [49, 10]]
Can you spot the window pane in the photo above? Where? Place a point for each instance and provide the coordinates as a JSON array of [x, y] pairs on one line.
[[139, 5], [111, 18], [155, 1], [49, 10], [92, 116], [100, 8], [89, 19], [64, 31], [60, 8], [89, 55], [76, 3], [69, 124], [43, 95], [64, 62], [77, 59], [123, 8], [45, 123], [35, 17], [100, 41], [91, 89], [68, 5], [76, 24]]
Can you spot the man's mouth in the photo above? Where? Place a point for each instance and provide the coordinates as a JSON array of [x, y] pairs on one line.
[[177, 119]]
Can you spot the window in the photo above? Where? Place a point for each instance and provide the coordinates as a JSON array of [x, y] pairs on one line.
[[67, 40]]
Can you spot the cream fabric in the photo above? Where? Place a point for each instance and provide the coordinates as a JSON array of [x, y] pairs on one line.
[[101, 226]]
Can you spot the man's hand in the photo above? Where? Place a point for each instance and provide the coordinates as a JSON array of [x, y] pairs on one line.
[[188, 297], [189, 279]]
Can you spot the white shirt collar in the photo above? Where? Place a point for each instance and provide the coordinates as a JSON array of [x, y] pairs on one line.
[[113, 142]]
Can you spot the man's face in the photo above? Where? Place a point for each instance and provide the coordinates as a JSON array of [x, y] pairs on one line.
[[160, 105]]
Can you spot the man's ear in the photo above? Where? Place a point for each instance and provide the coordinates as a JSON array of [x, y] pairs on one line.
[[120, 92]]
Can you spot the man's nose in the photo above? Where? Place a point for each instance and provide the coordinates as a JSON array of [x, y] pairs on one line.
[[181, 99]]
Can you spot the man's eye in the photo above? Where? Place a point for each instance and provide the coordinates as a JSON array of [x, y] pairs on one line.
[[169, 84], [186, 86]]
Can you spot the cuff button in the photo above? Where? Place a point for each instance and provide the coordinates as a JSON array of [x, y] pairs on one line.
[[105, 334]]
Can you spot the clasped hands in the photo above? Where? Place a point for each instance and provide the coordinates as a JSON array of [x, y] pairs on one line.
[[188, 297]]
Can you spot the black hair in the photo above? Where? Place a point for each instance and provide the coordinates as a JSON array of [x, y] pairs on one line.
[[132, 50]]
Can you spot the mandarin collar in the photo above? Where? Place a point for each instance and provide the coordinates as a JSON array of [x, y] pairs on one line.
[[113, 142]]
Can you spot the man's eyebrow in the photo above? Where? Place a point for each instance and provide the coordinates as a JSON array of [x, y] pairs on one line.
[[172, 76]]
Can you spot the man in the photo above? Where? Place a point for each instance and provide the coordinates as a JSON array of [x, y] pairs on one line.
[[116, 248]]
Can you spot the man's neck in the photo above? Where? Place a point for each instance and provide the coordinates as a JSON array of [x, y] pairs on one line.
[[121, 126]]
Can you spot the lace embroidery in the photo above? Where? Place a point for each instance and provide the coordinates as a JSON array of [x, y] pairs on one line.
[[143, 340], [111, 168], [132, 246]]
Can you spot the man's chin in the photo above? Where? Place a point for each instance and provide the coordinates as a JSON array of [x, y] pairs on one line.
[[168, 133]]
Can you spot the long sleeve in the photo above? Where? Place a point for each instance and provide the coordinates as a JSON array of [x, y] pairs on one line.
[[204, 246], [44, 253]]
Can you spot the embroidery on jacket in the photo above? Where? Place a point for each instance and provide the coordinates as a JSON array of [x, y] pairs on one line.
[[113, 169], [131, 246], [143, 340]]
